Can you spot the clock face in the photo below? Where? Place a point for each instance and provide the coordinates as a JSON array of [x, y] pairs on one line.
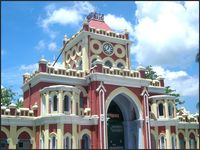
[[108, 48]]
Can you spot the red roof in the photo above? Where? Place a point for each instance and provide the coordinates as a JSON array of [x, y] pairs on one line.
[[99, 25]]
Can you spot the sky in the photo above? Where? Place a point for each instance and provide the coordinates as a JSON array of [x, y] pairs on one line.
[[165, 35]]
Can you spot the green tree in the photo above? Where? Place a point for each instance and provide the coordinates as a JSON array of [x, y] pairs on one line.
[[8, 96], [19, 104], [149, 73], [171, 92]]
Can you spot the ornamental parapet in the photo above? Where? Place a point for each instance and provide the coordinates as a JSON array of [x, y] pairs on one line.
[[11, 110]]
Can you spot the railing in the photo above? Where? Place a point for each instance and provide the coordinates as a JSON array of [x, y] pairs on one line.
[[17, 112], [107, 33], [121, 72]]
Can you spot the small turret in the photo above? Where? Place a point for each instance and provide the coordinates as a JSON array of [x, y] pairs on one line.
[[42, 65]]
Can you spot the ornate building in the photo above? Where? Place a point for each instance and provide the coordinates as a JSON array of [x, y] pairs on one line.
[[95, 101]]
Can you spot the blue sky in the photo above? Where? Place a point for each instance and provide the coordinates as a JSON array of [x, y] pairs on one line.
[[165, 35]]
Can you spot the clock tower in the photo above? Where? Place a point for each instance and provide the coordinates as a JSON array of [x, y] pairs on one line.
[[95, 41]]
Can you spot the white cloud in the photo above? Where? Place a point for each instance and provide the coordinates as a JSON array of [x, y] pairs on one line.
[[167, 33], [181, 81], [29, 68], [41, 45], [118, 23], [65, 16], [52, 46]]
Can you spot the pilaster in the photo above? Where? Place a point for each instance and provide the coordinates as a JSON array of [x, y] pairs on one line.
[[60, 131], [75, 137], [168, 137], [154, 108], [13, 137], [166, 109], [47, 102], [187, 146], [46, 136], [85, 54], [60, 102]]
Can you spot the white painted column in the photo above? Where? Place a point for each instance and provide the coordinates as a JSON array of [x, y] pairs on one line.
[[12, 137], [74, 103], [187, 146], [85, 54], [60, 102], [154, 108], [46, 136], [60, 132], [140, 134], [75, 137], [166, 109], [47, 103], [168, 137]]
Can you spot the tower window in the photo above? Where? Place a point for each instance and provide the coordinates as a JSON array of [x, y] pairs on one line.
[[160, 109], [120, 65], [108, 63], [93, 61], [81, 102], [66, 103], [54, 103]]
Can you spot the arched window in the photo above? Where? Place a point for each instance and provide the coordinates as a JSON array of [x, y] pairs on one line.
[[93, 62], [85, 142], [67, 142], [160, 109], [81, 101], [173, 141], [54, 105], [24, 141], [66, 104], [162, 142], [171, 110], [80, 65], [120, 65], [108, 63], [3, 141], [181, 141], [192, 141], [53, 142]]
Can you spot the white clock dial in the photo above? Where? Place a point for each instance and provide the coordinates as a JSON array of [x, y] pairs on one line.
[[108, 48]]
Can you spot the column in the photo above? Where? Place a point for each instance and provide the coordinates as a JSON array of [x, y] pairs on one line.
[[197, 139], [140, 134], [166, 109], [60, 131], [168, 137], [47, 103], [60, 102], [154, 108], [187, 145], [177, 139], [13, 138], [75, 137], [33, 138], [157, 137], [46, 136], [85, 54], [75, 97]]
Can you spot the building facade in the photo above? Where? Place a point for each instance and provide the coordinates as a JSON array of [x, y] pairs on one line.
[[93, 100]]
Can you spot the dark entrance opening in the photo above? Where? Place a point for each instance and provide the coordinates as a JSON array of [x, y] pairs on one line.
[[115, 127]]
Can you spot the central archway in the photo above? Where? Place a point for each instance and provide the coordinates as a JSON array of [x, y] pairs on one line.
[[123, 120]]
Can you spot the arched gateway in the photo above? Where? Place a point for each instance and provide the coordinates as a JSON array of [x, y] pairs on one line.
[[123, 121]]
